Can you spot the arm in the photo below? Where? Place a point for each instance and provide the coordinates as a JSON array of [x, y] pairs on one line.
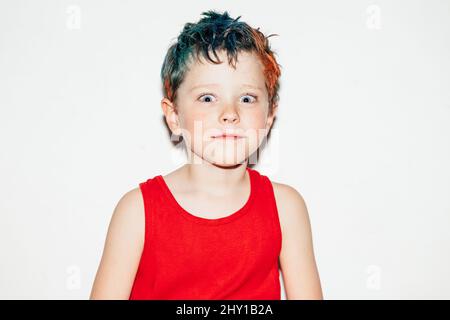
[[297, 262], [122, 250]]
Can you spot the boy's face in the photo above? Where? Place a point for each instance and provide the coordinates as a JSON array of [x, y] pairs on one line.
[[214, 99]]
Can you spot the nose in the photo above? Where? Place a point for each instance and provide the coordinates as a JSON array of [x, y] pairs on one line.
[[230, 115]]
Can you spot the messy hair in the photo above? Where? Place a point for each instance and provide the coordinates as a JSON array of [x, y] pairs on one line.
[[216, 31]]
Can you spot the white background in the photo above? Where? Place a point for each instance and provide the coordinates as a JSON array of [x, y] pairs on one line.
[[363, 134]]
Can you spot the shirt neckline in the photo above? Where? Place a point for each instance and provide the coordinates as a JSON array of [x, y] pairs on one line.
[[206, 221]]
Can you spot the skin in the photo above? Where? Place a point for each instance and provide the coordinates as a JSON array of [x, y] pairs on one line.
[[212, 98]]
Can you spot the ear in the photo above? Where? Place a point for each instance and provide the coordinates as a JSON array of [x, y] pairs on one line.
[[171, 116], [271, 116]]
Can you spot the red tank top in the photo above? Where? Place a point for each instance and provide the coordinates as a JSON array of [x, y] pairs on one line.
[[186, 257]]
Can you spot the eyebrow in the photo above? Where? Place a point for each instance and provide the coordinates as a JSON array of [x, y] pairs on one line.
[[217, 85]]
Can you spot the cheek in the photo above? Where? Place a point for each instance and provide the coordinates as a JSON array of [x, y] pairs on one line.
[[196, 123], [256, 127], [255, 119], [189, 119]]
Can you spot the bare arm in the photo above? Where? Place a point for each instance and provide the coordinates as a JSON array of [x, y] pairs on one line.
[[122, 250], [298, 265]]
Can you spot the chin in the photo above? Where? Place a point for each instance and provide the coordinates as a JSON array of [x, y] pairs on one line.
[[225, 161]]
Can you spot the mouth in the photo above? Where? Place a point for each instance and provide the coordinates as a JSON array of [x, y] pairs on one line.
[[227, 136]]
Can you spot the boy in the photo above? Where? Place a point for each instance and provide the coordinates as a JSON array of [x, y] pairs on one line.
[[213, 228]]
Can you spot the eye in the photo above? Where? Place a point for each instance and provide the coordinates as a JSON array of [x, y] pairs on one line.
[[249, 98], [207, 97]]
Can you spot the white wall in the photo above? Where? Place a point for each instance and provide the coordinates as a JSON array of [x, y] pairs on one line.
[[363, 133]]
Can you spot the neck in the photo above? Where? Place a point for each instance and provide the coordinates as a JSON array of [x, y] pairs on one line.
[[214, 179]]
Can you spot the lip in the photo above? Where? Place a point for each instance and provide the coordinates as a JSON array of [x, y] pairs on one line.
[[228, 136]]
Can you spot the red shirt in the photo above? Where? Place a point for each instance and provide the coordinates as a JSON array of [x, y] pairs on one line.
[[186, 257]]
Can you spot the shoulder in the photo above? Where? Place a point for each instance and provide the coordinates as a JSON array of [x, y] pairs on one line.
[[291, 206], [130, 203], [129, 216], [287, 195]]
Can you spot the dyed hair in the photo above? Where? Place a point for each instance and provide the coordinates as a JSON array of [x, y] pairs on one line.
[[218, 32]]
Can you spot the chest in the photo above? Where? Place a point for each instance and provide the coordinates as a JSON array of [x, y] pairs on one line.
[[211, 207]]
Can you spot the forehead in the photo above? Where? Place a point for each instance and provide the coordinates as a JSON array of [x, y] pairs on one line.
[[249, 71]]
